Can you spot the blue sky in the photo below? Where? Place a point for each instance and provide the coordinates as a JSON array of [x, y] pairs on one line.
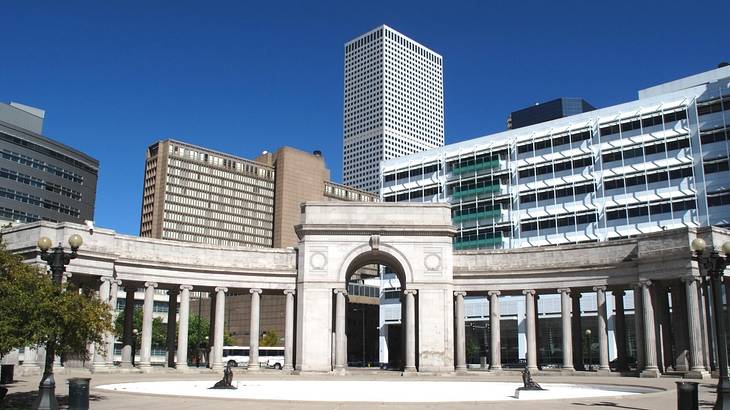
[[115, 76]]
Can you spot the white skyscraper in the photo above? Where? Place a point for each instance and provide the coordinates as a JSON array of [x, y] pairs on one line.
[[394, 103]]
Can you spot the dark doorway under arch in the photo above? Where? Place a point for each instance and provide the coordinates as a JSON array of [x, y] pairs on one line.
[[375, 282]]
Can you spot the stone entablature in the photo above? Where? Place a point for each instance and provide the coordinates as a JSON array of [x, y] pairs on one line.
[[132, 258], [656, 256]]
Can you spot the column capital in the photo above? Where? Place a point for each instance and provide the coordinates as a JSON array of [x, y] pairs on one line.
[[529, 291], [118, 282], [644, 283], [106, 279], [461, 293], [410, 292], [564, 290], [255, 290], [150, 284], [690, 278], [618, 292], [290, 292], [186, 287], [340, 291], [67, 275], [221, 289], [599, 288], [493, 292]]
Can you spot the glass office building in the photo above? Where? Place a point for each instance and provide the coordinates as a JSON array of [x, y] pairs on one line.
[[656, 163]]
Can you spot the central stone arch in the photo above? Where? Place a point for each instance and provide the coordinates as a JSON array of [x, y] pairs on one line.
[[413, 239]]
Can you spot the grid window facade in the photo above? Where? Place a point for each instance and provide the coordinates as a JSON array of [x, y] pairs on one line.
[[639, 167], [393, 103], [197, 195]]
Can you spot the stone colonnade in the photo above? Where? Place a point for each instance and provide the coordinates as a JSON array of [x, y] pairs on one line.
[[108, 288], [653, 357]]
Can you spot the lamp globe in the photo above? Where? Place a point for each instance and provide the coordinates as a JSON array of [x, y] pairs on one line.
[[75, 241], [44, 244], [699, 244], [726, 248]]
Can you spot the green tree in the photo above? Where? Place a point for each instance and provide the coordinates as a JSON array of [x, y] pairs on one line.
[[159, 329], [198, 330], [269, 339], [35, 312]]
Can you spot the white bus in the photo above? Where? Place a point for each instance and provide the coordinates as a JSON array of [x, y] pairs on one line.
[[268, 356]]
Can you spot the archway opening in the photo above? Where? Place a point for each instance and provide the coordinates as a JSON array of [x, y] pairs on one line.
[[374, 319]]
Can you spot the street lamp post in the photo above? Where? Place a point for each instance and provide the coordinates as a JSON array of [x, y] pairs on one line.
[[713, 265], [57, 260], [590, 356]]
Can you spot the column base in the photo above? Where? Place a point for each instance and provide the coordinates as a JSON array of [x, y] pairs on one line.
[[409, 371], [182, 368], [340, 371], [287, 368], [568, 370], [650, 373], [495, 367], [697, 374], [101, 368], [126, 365], [533, 369], [30, 370], [145, 367], [253, 369]]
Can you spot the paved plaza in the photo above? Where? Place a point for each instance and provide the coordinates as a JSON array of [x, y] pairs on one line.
[[23, 391]]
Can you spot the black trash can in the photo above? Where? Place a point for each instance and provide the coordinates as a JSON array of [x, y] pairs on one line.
[[6, 373], [687, 398], [78, 393]]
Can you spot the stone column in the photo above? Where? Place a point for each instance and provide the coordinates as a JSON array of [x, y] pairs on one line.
[[460, 331], [182, 336], [577, 330], [111, 341], [410, 330], [639, 327], [127, 353], [289, 331], [145, 351], [567, 331], [220, 316], [621, 352], [30, 362], [340, 342], [530, 324], [602, 329], [171, 325], [494, 325], [99, 362], [211, 330], [650, 356], [253, 361], [697, 366]]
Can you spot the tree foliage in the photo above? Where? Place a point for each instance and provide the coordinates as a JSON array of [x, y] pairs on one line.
[[269, 339], [159, 329], [34, 311]]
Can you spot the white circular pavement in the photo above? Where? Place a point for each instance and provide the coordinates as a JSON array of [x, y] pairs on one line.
[[374, 391]]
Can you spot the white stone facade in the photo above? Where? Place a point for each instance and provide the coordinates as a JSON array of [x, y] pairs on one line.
[[415, 241]]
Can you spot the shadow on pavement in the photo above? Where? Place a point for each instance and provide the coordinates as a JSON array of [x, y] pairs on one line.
[[608, 404], [25, 400]]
